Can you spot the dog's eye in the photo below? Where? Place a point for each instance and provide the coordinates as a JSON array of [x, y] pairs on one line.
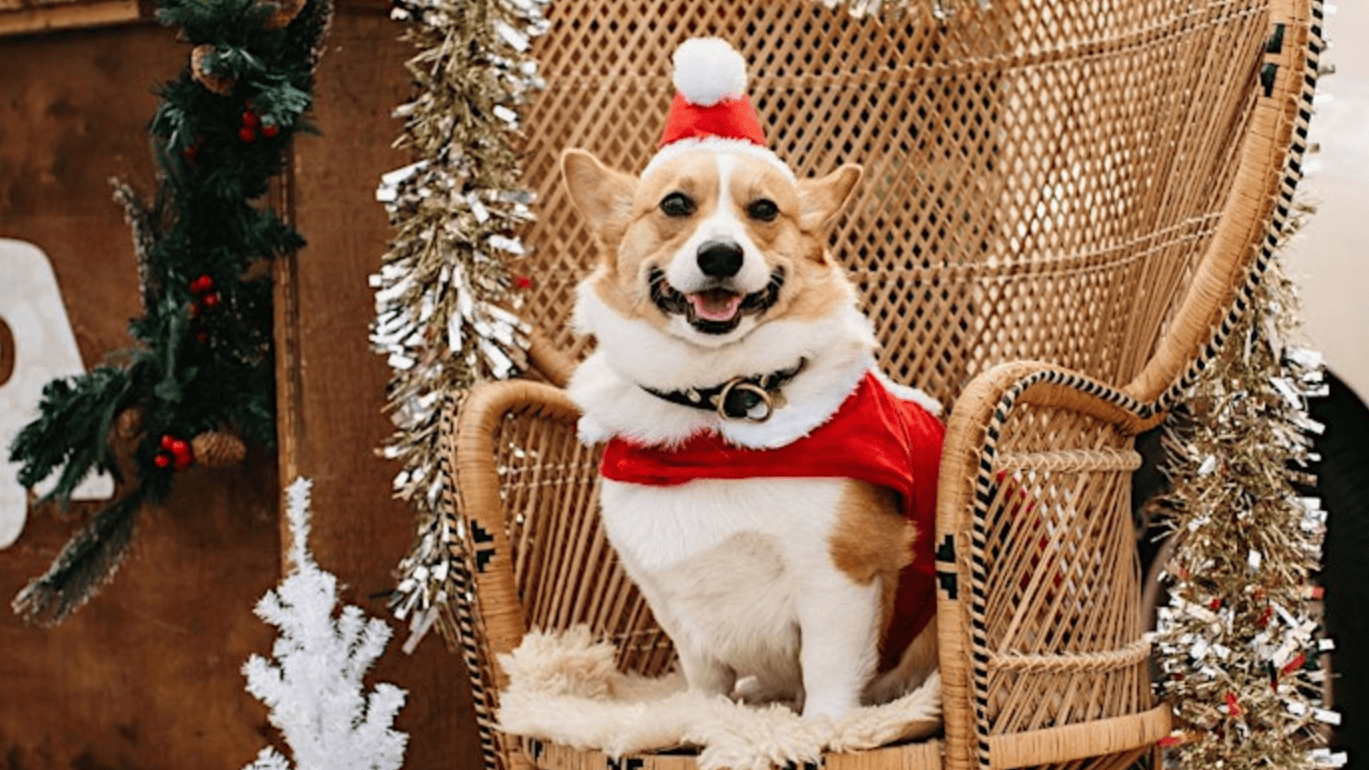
[[677, 204], [763, 209]]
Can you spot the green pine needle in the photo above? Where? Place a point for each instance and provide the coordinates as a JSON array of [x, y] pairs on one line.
[[71, 431], [84, 565]]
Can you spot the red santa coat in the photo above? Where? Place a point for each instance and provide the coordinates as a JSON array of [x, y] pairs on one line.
[[873, 437]]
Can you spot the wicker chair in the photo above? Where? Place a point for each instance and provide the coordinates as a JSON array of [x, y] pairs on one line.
[[1064, 207]]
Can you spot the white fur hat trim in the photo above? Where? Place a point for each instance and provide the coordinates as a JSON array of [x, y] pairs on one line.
[[717, 144], [708, 70]]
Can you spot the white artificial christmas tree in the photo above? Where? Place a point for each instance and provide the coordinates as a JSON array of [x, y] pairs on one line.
[[314, 684]]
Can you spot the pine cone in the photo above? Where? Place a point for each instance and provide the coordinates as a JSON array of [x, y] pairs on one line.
[[129, 424], [286, 11], [217, 449], [219, 85]]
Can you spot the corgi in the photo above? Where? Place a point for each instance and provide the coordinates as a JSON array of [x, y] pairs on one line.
[[769, 492]]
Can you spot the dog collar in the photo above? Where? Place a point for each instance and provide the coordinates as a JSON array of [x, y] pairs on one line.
[[752, 398]]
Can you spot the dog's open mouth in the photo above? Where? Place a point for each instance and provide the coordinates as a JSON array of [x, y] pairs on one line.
[[716, 310]]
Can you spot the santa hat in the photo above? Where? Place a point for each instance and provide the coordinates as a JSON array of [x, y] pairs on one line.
[[711, 109]]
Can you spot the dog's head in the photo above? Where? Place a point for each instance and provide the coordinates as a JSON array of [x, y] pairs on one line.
[[710, 243]]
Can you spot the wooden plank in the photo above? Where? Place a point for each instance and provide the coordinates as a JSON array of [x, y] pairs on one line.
[[47, 18], [147, 674], [336, 384]]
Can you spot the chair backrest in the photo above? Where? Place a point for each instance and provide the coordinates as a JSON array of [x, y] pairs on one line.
[[1042, 178]]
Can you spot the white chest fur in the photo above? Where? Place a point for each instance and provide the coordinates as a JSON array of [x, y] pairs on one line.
[[734, 568], [661, 527]]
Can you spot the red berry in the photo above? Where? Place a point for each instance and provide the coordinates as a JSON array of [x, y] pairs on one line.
[[522, 281], [247, 134], [180, 452], [162, 460], [167, 441], [270, 130], [190, 154], [211, 301], [201, 285], [250, 119]]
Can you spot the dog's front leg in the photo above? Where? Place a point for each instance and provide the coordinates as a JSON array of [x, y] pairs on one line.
[[839, 622], [705, 673], [702, 670]]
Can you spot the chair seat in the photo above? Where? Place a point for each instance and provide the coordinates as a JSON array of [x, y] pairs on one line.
[[923, 755], [1039, 747]]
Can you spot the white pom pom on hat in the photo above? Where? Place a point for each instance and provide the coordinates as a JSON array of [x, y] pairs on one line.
[[708, 70], [711, 109]]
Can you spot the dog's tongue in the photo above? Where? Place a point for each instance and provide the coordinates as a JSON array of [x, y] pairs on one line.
[[715, 304]]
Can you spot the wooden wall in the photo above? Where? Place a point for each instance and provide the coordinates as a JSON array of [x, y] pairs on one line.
[[148, 674]]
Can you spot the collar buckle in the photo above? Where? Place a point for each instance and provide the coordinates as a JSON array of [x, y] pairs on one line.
[[739, 398]]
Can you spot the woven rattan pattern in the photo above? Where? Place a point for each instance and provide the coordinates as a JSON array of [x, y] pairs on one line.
[[564, 568], [1059, 545], [1038, 176]]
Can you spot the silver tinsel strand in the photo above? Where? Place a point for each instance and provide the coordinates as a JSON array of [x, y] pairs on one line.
[[445, 315], [1238, 644]]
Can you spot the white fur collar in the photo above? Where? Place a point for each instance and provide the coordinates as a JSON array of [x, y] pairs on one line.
[[607, 386]]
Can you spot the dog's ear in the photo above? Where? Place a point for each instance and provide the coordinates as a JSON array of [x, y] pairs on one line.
[[824, 198], [601, 194]]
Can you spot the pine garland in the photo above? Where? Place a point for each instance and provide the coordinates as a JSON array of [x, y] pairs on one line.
[[444, 305], [202, 364], [1237, 644]]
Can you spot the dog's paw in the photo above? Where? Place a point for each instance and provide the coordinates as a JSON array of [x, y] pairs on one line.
[[915, 715], [753, 692]]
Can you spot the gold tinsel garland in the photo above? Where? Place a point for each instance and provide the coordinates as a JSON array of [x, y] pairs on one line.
[[444, 310], [1238, 643]]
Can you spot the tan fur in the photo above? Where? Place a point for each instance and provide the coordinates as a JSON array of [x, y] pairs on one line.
[[872, 540], [602, 194], [916, 665], [635, 235]]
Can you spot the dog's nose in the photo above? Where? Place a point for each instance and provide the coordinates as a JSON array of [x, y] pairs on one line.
[[720, 259]]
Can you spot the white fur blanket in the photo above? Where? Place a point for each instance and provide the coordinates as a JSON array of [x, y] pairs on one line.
[[565, 688]]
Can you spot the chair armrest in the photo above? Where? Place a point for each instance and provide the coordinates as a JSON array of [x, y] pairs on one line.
[[551, 362], [479, 430], [1039, 581], [524, 490], [488, 420]]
